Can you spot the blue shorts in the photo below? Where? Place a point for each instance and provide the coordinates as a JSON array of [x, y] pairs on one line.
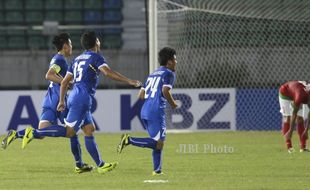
[[155, 128], [51, 115], [78, 116]]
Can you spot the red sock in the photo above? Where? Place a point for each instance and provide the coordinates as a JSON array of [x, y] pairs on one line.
[[285, 128], [302, 139]]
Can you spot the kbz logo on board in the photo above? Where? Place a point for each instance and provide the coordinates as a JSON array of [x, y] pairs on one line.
[[198, 109]]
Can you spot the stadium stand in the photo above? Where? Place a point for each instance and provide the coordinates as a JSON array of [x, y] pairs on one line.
[[23, 47], [27, 13]]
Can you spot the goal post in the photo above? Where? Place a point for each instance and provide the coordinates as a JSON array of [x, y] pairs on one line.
[[249, 46], [232, 43], [152, 34]]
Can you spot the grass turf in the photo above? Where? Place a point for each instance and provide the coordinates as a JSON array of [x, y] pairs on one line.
[[253, 160]]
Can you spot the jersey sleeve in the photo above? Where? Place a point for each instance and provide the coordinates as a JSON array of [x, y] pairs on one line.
[[56, 65], [168, 80], [101, 62], [70, 69]]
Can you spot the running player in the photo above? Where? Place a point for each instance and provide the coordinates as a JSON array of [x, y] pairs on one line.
[[85, 71], [57, 70], [294, 98], [155, 92]]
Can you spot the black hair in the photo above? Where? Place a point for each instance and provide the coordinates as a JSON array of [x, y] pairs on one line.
[[88, 40], [60, 40], [165, 55]]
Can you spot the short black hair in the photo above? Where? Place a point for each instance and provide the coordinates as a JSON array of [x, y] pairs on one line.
[[165, 55], [60, 39], [88, 40]]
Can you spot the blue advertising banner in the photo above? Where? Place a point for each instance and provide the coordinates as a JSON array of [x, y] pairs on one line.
[[258, 109], [119, 110]]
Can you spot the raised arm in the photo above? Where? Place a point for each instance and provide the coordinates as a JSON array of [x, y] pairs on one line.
[[168, 96], [63, 90], [118, 77]]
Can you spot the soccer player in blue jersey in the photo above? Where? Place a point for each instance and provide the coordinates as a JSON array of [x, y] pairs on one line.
[[85, 71], [57, 70], [155, 92]]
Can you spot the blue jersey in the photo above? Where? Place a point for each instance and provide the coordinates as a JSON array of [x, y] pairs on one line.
[[155, 103], [59, 64], [85, 70]]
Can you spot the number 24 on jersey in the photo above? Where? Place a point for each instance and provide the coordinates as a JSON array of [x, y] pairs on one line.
[[152, 85]]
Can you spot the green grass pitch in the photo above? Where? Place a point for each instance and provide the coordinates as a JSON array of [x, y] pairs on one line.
[[253, 160]]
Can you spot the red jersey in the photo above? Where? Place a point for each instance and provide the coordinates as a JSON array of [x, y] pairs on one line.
[[297, 91]]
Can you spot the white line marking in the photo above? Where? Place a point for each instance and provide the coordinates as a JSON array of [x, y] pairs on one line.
[[155, 181]]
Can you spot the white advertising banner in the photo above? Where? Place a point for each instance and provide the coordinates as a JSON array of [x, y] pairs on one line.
[[119, 110]]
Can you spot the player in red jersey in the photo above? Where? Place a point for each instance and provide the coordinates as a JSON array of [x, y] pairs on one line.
[[294, 98]]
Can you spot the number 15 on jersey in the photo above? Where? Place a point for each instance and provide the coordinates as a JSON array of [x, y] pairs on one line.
[[78, 71]]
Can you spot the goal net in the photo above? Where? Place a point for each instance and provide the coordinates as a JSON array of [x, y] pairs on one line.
[[237, 44]]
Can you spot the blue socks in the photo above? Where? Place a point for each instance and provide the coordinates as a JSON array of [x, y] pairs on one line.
[[76, 150], [92, 149], [157, 160], [20, 134], [51, 131], [143, 142], [149, 143], [58, 131]]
